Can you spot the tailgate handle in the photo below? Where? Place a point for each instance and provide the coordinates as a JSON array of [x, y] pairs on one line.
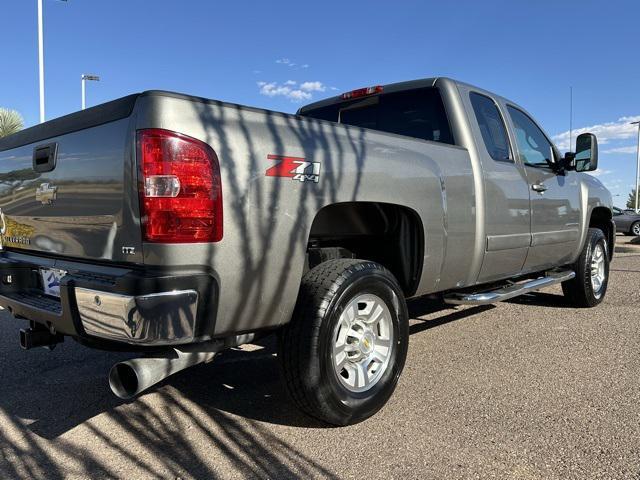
[[44, 157]]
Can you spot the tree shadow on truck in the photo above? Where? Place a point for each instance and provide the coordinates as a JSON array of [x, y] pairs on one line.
[[58, 417], [255, 210]]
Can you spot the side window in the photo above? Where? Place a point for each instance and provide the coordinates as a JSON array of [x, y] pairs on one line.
[[534, 147], [491, 126]]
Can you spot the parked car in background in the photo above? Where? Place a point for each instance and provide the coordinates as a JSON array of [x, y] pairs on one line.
[[627, 221]]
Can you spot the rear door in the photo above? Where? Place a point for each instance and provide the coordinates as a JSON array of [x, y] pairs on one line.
[[555, 199]]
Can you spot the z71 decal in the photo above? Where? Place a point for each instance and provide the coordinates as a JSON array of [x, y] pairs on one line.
[[294, 168]]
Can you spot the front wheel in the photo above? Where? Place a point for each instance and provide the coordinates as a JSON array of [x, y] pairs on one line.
[[635, 229], [345, 347], [589, 286]]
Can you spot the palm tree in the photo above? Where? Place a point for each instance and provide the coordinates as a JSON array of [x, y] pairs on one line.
[[631, 202], [10, 122]]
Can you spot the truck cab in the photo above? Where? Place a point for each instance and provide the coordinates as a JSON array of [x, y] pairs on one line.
[[531, 204]]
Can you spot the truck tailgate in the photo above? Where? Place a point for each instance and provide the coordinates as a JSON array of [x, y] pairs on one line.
[[73, 193]]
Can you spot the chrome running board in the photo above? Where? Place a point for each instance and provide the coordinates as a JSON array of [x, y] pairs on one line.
[[513, 290]]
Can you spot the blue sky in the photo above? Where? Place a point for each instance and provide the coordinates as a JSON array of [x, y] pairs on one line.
[[253, 52]]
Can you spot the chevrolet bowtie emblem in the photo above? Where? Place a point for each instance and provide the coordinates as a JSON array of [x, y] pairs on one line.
[[46, 193]]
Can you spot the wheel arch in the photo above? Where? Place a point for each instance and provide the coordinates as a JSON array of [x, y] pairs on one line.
[[601, 217], [387, 233]]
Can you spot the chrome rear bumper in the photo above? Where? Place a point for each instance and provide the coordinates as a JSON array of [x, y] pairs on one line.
[[165, 318]]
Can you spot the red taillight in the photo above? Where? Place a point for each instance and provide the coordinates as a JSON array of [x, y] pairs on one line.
[[180, 190], [362, 92]]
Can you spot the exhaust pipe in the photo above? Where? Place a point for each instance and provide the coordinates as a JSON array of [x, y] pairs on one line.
[[132, 377]]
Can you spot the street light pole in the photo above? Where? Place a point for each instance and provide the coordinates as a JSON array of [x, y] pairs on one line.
[[41, 60], [637, 205], [83, 79]]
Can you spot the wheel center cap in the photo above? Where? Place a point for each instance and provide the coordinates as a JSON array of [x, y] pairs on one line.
[[367, 343]]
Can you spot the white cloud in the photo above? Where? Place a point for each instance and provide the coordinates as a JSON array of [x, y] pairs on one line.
[[289, 63], [613, 184], [299, 95], [619, 188], [629, 149], [274, 89], [312, 87], [291, 89], [621, 129], [285, 61], [599, 172]]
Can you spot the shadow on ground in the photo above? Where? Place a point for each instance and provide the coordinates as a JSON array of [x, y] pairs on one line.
[[542, 299], [171, 432], [221, 407]]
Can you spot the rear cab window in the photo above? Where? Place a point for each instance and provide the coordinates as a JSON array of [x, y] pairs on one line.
[[417, 113], [492, 128]]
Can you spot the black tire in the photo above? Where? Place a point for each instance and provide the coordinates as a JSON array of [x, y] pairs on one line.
[[306, 347], [579, 291], [634, 230]]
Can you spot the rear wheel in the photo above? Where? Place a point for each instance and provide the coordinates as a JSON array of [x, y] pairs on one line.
[[635, 229], [346, 345], [589, 286]]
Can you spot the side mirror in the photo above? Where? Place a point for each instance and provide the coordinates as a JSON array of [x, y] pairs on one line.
[[586, 157]]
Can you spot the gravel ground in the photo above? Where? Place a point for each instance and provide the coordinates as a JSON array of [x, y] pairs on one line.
[[525, 389]]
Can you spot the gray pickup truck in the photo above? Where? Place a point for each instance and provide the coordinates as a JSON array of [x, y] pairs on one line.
[[178, 226]]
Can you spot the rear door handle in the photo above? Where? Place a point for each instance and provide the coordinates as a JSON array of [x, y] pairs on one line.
[[538, 187]]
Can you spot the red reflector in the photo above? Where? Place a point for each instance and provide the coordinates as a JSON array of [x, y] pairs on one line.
[[362, 92], [180, 189]]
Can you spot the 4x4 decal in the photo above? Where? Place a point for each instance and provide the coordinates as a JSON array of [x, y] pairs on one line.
[[295, 168]]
